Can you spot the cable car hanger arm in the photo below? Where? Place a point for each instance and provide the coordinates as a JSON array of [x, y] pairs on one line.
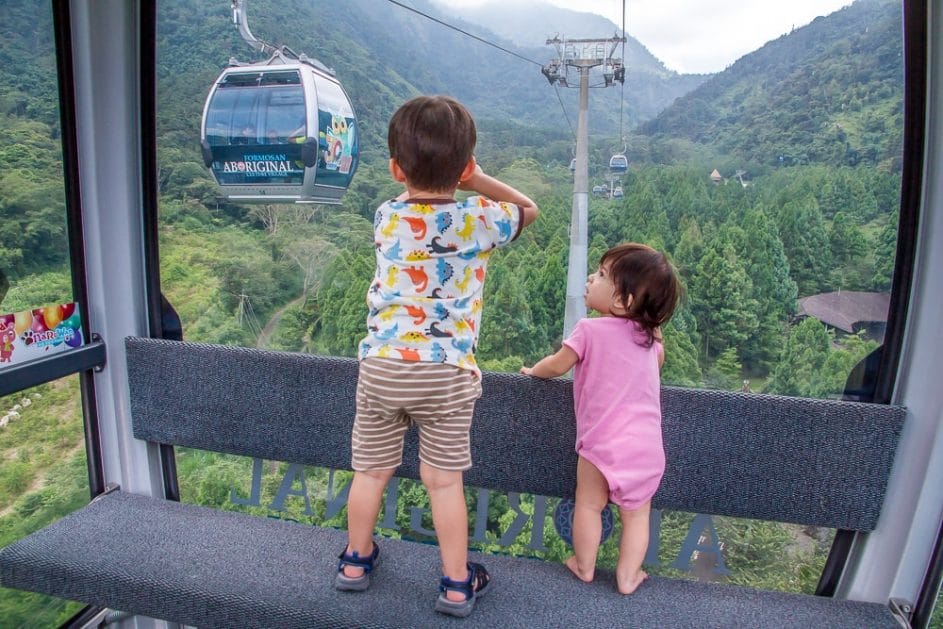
[[241, 19]]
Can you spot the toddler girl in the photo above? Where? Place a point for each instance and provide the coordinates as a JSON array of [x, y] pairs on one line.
[[616, 393]]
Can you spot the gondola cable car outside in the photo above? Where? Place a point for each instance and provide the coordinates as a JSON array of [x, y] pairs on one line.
[[618, 163], [278, 131]]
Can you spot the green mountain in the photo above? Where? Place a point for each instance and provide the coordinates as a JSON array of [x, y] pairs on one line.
[[383, 53], [829, 92]]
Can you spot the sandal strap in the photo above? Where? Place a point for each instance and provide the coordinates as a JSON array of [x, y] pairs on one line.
[[354, 559], [477, 579]]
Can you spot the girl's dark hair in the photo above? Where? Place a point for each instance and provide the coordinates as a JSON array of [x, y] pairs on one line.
[[648, 277], [432, 138]]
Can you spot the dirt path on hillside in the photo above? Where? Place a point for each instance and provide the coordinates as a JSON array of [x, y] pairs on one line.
[[272, 324]]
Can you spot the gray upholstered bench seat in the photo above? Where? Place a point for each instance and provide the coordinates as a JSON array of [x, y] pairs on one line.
[[822, 463], [218, 569]]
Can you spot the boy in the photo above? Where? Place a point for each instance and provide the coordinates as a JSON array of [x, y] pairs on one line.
[[417, 363]]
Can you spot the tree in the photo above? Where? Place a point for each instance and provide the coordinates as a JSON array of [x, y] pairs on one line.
[[726, 372], [804, 353], [312, 255], [720, 293], [806, 244], [507, 323], [774, 291], [885, 254]]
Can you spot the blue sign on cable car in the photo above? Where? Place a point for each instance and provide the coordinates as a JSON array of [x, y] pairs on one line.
[[281, 131]]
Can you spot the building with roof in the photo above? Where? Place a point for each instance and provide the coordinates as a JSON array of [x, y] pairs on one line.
[[849, 311]]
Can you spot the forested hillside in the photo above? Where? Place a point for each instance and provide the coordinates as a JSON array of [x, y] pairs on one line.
[[746, 253], [827, 93]]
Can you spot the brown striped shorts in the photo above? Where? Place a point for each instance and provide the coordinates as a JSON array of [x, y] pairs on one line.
[[393, 395]]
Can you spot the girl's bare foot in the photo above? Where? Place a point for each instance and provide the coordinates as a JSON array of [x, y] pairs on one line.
[[583, 575], [627, 586]]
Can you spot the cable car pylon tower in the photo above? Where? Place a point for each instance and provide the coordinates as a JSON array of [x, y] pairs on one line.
[[583, 55]]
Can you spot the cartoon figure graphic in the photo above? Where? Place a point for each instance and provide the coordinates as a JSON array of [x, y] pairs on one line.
[[389, 313], [391, 276], [433, 330], [388, 333], [443, 220], [418, 314], [417, 254], [339, 139], [468, 227], [437, 247], [417, 225], [390, 228], [443, 270], [394, 252], [438, 353], [504, 229], [418, 276], [7, 336], [408, 353], [466, 278]]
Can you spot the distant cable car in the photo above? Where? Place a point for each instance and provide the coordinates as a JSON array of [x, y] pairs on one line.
[[280, 131], [600, 191], [618, 163], [617, 192], [573, 165]]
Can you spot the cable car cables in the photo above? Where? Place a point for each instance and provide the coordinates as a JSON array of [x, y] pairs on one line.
[[489, 43], [466, 33]]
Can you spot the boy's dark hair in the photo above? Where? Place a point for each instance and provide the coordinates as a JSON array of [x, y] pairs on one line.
[[432, 138], [651, 280]]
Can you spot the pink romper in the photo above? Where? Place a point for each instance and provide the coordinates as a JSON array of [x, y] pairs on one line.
[[617, 397]]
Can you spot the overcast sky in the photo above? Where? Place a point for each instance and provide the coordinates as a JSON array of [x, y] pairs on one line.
[[700, 36]]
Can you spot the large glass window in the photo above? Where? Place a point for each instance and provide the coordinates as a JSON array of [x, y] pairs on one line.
[[43, 470], [773, 184], [44, 476], [936, 619]]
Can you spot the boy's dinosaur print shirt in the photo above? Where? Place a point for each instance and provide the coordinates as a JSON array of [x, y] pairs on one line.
[[426, 297]]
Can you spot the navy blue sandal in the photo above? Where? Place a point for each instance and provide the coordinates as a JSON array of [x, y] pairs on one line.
[[473, 588], [356, 584]]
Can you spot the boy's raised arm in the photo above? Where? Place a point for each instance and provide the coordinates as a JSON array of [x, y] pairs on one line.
[[488, 186]]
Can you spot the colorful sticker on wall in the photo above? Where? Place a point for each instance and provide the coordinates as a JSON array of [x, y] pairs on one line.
[[39, 332]]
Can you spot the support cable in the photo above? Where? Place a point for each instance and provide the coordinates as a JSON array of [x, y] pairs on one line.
[[563, 107], [466, 33], [622, 94]]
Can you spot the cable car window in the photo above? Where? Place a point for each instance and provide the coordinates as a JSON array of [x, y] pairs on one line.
[[936, 619], [43, 478], [246, 115], [777, 199], [43, 470]]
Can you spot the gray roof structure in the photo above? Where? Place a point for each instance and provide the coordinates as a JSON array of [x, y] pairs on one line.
[[845, 308]]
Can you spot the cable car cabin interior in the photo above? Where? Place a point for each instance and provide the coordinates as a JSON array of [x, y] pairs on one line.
[[279, 132], [176, 386]]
